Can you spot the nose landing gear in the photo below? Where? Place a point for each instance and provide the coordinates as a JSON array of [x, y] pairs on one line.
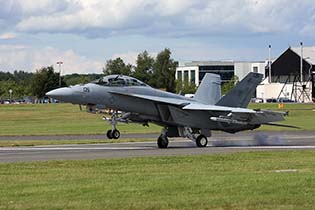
[[113, 133]]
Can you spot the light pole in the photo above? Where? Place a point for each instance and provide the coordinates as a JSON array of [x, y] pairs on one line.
[[59, 63], [269, 64], [301, 63], [10, 92]]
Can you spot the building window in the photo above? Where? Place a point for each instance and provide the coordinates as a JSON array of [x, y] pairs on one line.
[[180, 75], [255, 69], [226, 72], [186, 76], [192, 76]]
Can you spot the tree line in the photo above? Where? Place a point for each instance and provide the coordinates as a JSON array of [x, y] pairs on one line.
[[158, 72], [37, 84]]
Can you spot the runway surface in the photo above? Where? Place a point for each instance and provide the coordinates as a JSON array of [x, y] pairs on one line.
[[219, 143], [219, 135]]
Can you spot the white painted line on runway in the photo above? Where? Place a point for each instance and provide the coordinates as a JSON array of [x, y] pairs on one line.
[[270, 147], [69, 148], [142, 148]]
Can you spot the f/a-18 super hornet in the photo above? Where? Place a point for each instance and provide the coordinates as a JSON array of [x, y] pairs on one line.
[[194, 118]]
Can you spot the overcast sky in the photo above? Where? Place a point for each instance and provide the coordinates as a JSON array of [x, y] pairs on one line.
[[85, 33]]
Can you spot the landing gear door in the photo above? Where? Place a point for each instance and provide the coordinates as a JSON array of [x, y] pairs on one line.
[[165, 113]]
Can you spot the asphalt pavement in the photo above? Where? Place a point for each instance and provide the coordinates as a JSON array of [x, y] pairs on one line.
[[218, 143]]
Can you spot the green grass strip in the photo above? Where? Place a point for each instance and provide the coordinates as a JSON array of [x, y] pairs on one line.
[[248, 180]]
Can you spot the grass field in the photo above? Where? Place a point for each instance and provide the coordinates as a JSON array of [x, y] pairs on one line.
[[17, 143], [231, 181], [61, 119], [301, 115], [57, 119]]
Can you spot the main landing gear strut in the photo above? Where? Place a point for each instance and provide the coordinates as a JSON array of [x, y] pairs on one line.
[[113, 133]]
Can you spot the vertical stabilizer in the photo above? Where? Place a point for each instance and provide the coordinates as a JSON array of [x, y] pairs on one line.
[[209, 90], [241, 94]]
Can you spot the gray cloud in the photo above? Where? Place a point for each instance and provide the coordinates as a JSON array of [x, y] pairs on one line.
[[12, 12], [222, 28], [161, 17]]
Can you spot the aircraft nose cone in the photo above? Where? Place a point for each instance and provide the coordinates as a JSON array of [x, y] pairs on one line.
[[62, 94]]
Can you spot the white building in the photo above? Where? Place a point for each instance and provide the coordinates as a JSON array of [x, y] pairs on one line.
[[243, 68], [188, 73], [194, 71]]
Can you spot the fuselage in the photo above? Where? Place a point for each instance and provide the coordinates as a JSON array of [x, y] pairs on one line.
[[123, 97], [95, 94]]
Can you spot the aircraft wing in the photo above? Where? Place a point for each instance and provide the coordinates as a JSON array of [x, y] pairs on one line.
[[204, 107], [172, 101], [233, 115]]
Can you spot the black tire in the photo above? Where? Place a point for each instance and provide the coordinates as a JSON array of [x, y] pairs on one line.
[[201, 141], [162, 142], [115, 134], [109, 134]]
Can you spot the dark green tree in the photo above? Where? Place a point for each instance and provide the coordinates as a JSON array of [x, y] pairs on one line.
[[185, 87], [117, 66], [18, 81], [5, 76], [5, 86], [226, 87], [44, 80], [22, 77], [144, 64], [73, 79], [164, 71]]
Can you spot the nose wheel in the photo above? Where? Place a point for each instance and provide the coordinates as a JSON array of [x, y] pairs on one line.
[[113, 134]]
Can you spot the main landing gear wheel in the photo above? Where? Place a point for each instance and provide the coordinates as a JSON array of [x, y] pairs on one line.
[[113, 134], [109, 134], [162, 141], [201, 141]]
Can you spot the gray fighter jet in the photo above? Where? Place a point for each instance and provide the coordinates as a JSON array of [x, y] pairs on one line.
[[194, 118]]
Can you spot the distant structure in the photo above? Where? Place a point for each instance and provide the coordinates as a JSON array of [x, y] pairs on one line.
[[242, 68], [195, 71], [292, 76]]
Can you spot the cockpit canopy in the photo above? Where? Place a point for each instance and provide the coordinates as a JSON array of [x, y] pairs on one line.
[[118, 80]]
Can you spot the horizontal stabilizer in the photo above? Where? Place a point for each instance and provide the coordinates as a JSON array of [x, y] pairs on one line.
[[281, 125], [251, 117]]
